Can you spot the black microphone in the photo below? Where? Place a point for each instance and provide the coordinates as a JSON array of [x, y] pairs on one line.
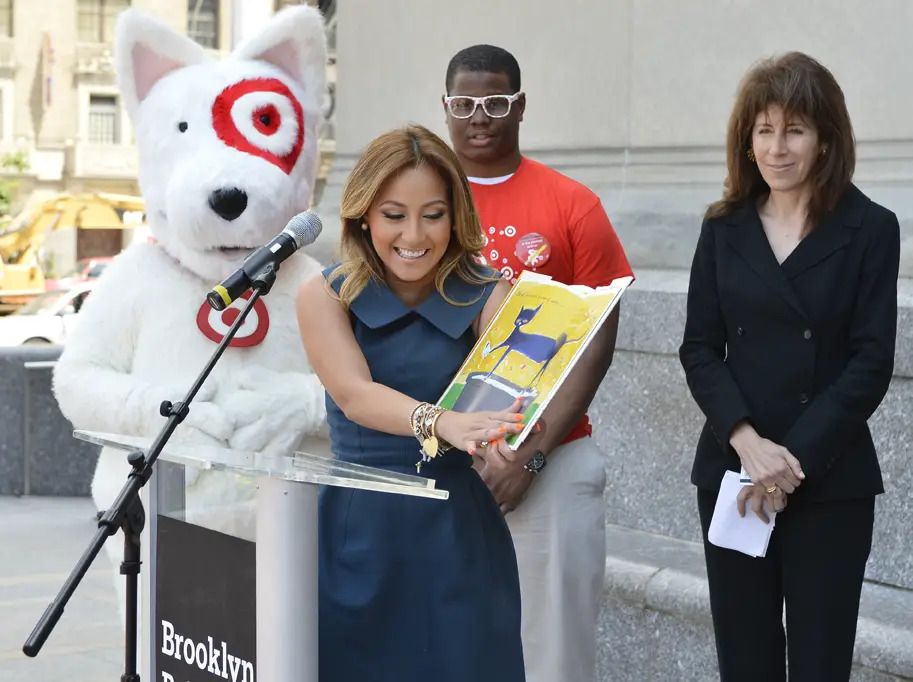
[[301, 230]]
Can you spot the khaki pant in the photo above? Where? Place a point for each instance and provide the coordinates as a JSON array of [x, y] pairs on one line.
[[559, 534]]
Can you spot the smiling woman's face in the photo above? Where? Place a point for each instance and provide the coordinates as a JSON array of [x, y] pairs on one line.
[[410, 225], [785, 149]]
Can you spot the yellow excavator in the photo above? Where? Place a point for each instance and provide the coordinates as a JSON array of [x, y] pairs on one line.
[[48, 237]]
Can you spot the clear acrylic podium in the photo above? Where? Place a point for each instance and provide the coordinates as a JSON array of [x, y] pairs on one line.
[[229, 558]]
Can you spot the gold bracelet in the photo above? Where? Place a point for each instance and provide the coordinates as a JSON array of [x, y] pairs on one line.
[[443, 445], [430, 444], [423, 421], [417, 418], [413, 423], [428, 421]]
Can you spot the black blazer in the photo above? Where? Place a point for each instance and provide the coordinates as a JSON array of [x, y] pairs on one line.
[[803, 350]]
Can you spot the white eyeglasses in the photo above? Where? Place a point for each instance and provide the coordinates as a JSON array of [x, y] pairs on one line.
[[494, 106]]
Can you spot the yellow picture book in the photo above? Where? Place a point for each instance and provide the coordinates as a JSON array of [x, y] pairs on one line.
[[530, 346]]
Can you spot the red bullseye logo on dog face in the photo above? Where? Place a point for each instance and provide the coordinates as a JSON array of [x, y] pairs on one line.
[[215, 324], [261, 117]]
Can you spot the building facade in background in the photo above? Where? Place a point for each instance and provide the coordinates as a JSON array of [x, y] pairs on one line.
[[59, 104]]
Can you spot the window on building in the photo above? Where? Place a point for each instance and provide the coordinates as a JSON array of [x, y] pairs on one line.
[[6, 18], [103, 119], [203, 22], [96, 18]]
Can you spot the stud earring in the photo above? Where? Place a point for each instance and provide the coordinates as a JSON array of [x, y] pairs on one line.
[[823, 149], [364, 227], [751, 156]]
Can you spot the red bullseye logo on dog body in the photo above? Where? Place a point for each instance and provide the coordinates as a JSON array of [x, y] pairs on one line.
[[261, 117], [215, 323]]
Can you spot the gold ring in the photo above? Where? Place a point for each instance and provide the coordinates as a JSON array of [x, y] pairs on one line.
[[771, 490]]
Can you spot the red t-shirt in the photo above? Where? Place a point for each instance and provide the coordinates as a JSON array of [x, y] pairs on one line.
[[541, 220]]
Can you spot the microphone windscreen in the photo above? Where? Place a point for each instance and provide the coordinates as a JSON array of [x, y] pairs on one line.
[[304, 228]]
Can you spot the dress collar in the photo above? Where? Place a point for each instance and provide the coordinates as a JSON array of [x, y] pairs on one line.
[[377, 306]]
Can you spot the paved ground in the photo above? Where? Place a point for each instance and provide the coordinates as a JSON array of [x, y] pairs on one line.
[[41, 538]]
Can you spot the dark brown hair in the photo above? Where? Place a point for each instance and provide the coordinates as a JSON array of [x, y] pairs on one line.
[[804, 89], [409, 147]]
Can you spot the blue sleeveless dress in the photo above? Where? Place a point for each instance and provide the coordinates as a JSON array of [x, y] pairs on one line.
[[411, 589]]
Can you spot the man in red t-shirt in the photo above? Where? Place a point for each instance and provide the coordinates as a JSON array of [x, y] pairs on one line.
[[538, 219]]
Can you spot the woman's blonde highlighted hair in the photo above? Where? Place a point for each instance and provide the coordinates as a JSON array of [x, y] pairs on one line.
[[409, 147]]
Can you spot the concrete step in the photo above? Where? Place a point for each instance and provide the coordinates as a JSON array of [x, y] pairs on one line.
[[656, 616]]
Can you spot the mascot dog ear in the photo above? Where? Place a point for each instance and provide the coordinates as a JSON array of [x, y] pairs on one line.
[[294, 40], [147, 49]]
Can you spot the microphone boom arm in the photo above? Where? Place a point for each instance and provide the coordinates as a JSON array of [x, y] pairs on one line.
[[127, 511]]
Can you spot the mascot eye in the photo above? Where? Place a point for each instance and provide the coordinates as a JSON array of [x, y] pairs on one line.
[[267, 120], [182, 126]]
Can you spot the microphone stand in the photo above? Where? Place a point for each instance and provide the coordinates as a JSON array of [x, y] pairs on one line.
[[127, 511]]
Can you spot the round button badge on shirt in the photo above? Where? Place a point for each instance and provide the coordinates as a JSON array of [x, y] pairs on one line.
[[533, 250]]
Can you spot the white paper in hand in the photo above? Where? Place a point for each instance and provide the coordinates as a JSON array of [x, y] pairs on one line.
[[748, 534]]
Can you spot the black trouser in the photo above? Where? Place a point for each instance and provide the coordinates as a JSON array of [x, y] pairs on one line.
[[816, 562]]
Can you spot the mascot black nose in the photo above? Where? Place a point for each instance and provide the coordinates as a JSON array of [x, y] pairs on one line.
[[228, 202]]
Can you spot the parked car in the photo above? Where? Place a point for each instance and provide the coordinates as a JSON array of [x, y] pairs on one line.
[[48, 318], [86, 269]]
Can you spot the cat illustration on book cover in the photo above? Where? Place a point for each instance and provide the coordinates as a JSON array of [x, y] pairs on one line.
[[537, 348]]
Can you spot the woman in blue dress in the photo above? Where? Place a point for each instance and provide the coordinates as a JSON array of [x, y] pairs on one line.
[[411, 589]]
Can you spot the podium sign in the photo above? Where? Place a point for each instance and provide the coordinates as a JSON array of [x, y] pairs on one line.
[[229, 574], [205, 604]]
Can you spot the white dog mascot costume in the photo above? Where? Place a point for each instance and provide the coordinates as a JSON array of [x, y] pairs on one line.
[[227, 156]]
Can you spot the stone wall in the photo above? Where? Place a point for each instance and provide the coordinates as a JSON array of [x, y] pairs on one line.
[[648, 425], [632, 97]]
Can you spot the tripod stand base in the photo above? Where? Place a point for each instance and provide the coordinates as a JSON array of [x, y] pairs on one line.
[[132, 524]]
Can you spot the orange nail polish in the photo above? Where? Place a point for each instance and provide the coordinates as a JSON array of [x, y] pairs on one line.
[[472, 451], [503, 429], [538, 428]]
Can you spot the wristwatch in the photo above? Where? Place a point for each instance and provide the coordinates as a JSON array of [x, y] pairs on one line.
[[536, 463]]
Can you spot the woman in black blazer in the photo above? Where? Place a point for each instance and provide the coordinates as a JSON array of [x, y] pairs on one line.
[[788, 350]]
